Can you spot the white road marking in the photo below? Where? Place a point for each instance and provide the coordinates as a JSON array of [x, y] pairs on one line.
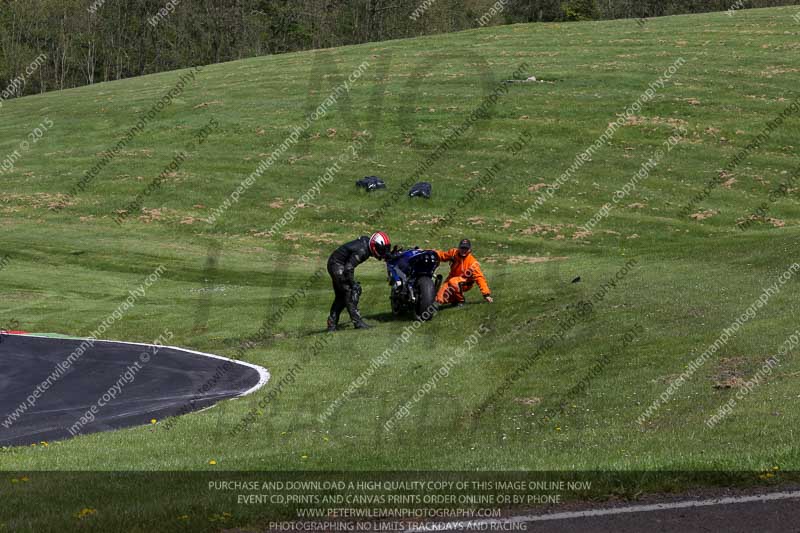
[[475, 524]]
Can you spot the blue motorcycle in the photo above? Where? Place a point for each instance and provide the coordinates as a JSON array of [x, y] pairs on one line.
[[414, 285]]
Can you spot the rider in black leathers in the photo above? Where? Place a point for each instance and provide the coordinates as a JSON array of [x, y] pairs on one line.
[[341, 267]]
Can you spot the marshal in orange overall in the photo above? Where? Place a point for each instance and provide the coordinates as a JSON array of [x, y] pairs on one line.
[[465, 272]]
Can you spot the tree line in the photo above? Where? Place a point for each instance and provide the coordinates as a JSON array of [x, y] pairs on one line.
[[57, 44]]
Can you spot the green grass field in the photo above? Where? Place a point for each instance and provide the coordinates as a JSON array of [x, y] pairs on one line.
[[69, 268]]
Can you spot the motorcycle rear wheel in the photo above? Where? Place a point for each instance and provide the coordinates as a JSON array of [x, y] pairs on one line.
[[426, 294]]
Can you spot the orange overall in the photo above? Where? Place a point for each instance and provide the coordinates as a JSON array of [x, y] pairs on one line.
[[465, 272]]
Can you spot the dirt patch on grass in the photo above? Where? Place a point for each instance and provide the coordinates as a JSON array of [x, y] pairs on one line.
[[542, 229], [297, 236], [39, 200], [537, 186], [729, 373], [555, 231], [533, 400], [152, 215], [702, 215], [776, 71], [636, 120], [146, 152], [532, 260], [21, 295], [774, 222], [433, 221], [206, 104], [665, 380]]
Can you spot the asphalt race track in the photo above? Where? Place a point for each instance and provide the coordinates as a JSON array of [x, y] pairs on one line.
[[119, 384]]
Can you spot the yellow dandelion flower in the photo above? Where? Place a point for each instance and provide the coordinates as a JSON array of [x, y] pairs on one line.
[[303, 457], [86, 511], [212, 462], [153, 420]]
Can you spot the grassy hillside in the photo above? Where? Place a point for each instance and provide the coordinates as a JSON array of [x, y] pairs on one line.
[[572, 403]]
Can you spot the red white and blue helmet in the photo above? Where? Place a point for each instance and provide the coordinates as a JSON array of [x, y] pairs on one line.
[[379, 244]]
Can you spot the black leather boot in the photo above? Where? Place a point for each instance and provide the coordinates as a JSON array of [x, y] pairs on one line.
[[352, 308], [333, 323], [358, 322]]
